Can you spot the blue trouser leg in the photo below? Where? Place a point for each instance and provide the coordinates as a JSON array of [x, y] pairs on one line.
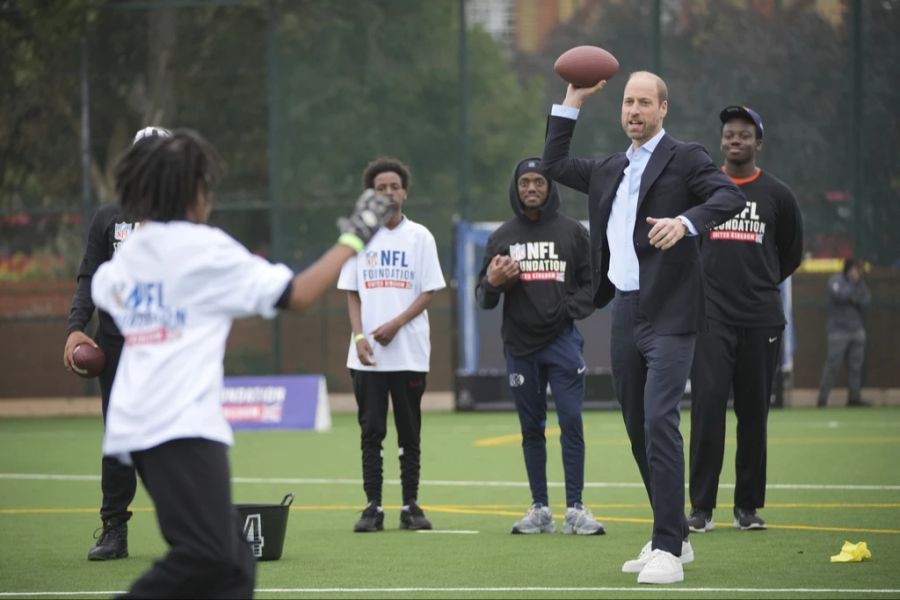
[[651, 371], [566, 372], [528, 385]]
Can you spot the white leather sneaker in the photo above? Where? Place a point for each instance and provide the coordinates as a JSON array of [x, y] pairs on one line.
[[663, 567], [638, 564]]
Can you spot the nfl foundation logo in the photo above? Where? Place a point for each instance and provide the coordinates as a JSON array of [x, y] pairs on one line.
[[517, 251], [253, 534]]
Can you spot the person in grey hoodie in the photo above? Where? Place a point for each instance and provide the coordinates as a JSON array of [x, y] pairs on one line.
[[848, 295], [540, 261]]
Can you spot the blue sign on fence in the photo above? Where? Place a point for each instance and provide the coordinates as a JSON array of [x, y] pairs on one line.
[[277, 402]]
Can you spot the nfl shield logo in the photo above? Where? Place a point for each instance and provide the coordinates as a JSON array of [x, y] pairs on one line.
[[517, 251], [121, 231], [372, 258]]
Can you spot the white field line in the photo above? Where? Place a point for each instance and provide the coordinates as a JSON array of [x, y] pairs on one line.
[[513, 590], [457, 531], [458, 483]]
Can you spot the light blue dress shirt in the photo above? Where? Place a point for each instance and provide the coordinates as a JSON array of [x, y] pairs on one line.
[[624, 269]]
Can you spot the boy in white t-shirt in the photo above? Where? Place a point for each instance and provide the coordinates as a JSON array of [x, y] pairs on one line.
[[173, 292], [389, 287]]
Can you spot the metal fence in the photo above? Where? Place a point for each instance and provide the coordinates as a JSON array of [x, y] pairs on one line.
[[299, 95]]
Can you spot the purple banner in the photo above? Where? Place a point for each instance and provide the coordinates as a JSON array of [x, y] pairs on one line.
[[276, 402]]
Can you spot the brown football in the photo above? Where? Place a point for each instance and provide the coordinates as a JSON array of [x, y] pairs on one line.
[[87, 360], [585, 66]]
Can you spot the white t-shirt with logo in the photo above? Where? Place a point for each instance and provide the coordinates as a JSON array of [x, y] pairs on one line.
[[395, 268], [173, 291]]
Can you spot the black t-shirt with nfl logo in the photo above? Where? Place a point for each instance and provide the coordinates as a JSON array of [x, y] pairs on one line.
[[748, 256]]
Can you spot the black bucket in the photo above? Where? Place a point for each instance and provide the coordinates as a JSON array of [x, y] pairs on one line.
[[265, 526]]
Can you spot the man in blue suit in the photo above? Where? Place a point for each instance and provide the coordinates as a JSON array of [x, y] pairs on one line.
[[647, 206]]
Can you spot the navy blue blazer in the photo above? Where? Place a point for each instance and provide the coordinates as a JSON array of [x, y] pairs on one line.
[[679, 179]]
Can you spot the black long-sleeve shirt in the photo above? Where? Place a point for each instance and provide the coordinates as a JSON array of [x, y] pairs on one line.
[[748, 256], [108, 230], [554, 284]]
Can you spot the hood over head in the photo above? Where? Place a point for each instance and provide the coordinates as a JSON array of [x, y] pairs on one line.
[[532, 165]]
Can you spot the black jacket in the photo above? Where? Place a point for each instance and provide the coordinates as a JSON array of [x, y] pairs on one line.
[[554, 285], [108, 230], [680, 179]]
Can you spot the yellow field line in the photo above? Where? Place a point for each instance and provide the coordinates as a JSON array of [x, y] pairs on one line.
[[490, 510], [495, 509], [510, 439]]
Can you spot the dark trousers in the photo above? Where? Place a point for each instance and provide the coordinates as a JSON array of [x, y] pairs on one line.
[[118, 481], [852, 346], [561, 364], [650, 372], [189, 481], [372, 389], [742, 361]]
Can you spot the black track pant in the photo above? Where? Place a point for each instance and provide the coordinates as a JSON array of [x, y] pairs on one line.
[[189, 481], [405, 389], [118, 481], [742, 361]]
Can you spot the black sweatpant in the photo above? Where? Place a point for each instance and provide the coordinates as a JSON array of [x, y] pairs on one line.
[[405, 389], [118, 481], [189, 481], [740, 360]]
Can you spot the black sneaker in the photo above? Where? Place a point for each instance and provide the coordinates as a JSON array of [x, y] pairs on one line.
[[372, 519], [859, 403], [700, 520], [112, 541], [412, 517], [748, 519]]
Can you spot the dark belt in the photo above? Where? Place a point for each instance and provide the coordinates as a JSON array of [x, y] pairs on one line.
[[631, 294]]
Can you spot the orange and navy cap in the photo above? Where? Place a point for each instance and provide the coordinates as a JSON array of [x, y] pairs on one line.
[[742, 112]]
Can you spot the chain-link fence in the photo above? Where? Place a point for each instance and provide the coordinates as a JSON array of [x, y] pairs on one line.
[[299, 96]]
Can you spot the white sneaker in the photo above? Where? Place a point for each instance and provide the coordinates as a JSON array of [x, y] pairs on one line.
[[663, 567], [638, 564]]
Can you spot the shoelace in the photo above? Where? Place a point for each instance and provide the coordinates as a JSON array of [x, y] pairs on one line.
[[534, 512], [101, 533]]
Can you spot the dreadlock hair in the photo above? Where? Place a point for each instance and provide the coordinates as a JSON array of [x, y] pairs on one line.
[[386, 164], [159, 178]]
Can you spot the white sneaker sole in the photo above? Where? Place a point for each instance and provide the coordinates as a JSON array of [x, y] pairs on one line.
[[708, 527], [517, 531], [674, 577], [753, 527], [576, 531], [637, 565]]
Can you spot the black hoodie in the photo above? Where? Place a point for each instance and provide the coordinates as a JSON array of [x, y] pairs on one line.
[[554, 284]]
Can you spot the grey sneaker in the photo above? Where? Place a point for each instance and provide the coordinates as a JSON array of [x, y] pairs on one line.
[[748, 519], [580, 521], [538, 519], [701, 520]]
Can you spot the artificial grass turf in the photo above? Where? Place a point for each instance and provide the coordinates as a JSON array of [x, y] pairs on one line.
[[474, 480]]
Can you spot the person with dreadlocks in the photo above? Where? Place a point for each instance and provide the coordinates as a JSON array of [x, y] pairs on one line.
[[173, 291]]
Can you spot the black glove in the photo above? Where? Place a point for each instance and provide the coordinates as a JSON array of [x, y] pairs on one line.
[[372, 210]]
